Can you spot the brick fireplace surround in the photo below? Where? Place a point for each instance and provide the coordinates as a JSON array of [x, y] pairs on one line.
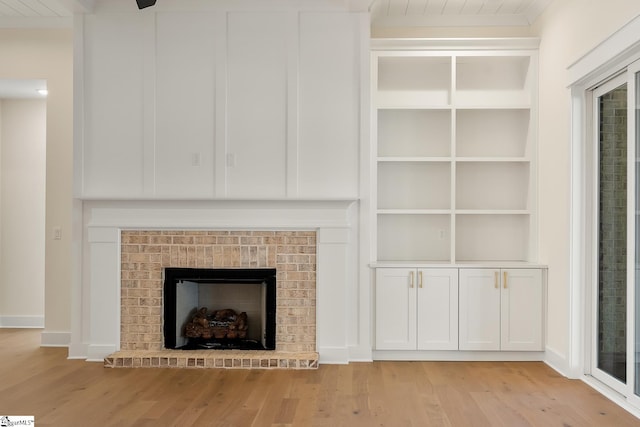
[[146, 253]]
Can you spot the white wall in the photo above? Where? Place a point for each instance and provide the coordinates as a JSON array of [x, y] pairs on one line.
[[22, 212], [568, 30], [48, 54]]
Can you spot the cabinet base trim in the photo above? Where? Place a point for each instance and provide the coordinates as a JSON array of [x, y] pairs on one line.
[[463, 356]]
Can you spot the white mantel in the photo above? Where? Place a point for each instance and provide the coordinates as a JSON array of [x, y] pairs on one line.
[[96, 325]]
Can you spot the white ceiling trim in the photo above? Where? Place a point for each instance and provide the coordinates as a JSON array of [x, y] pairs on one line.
[[452, 13], [452, 21]]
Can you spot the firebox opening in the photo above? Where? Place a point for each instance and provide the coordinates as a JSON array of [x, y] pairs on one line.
[[220, 309]]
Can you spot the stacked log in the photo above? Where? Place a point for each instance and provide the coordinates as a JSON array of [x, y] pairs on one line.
[[219, 324]]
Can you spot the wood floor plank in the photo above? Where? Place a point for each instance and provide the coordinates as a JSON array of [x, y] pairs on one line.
[[60, 392]]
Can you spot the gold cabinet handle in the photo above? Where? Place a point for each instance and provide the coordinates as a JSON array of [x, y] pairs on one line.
[[420, 279], [504, 279], [495, 280], [411, 279]]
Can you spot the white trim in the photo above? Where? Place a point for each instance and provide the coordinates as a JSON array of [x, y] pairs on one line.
[[445, 44], [457, 355], [511, 20], [558, 362], [97, 353], [333, 355], [21, 321], [577, 236], [617, 51], [360, 354], [55, 339]]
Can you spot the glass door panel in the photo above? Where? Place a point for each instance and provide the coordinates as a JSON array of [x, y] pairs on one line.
[[611, 307]]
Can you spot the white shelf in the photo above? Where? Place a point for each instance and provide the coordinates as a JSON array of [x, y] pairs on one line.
[[402, 237], [415, 159], [414, 211], [486, 80], [456, 155], [493, 133], [492, 212], [414, 185], [492, 238], [493, 160], [413, 80], [492, 185], [414, 133]]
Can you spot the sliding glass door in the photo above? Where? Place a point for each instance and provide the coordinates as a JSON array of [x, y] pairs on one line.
[[615, 326], [611, 326]]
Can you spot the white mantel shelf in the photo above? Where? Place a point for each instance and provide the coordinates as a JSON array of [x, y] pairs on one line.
[[237, 213]]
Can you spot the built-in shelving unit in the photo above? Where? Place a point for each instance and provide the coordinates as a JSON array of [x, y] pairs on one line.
[[454, 126]]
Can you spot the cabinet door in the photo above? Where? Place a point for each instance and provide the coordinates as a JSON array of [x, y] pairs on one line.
[[522, 296], [479, 309], [395, 309], [437, 309]]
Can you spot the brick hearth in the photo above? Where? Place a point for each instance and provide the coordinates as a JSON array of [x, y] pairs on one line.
[[145, 254]]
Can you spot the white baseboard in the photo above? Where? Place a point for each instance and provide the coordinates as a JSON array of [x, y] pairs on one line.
[[334, 355], [557, 362], [459, 355], [360, 354], [97, 353], [77, 351], [55, 339], [22, 322]]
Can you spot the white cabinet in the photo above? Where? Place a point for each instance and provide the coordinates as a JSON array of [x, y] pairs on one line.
[[501, 309], [416, 309], [455, 144]]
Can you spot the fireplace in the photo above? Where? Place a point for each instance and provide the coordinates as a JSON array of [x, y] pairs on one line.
[[220, 309], [119, 316]]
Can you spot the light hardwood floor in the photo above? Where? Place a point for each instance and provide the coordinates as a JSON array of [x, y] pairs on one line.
[[60, 392]]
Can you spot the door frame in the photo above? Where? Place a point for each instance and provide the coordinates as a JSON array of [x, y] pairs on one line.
[[613, 55]]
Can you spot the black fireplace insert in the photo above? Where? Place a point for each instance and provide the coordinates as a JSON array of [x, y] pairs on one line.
[[220, 308]]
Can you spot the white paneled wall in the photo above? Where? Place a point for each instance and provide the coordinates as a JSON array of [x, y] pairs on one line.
[[329, 105], [221, 104], [185, 75], [114, 68], [257, 54]]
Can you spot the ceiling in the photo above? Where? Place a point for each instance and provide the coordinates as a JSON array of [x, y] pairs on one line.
[[37, 13], [453, 13], [384, 13]]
